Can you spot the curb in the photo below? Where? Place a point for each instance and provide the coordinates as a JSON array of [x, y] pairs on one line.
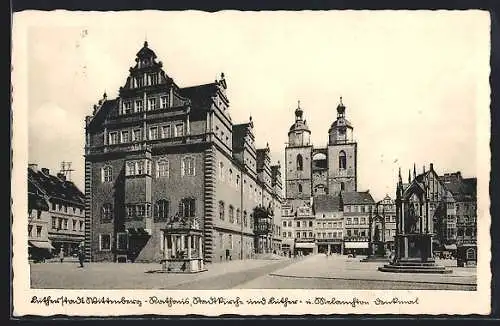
[[371, 280]]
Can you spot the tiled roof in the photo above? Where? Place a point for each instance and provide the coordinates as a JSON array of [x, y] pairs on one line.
[[353, 197], [327, 203], [36, 200], [464, 189], [55, 187], [200, 95]]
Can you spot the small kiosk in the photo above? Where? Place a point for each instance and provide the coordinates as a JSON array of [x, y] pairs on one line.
[[183, 246]]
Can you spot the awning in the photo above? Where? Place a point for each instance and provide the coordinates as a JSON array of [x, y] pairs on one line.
[[41, 244], [289, 242], [356, 245], [450, 247], [308, 245]]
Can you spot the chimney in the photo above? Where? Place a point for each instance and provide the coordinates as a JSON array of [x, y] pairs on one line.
[[431, 168], [45, 171], [61, 176], [33, 167]]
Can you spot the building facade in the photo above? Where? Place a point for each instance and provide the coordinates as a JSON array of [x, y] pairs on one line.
[[452, 205], [158, 151], [385, 221], [65, 223], [39, 245], [460, 225]]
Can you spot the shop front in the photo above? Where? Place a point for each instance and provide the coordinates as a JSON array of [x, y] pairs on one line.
[[305, 248], [356, 247], [329, 246]]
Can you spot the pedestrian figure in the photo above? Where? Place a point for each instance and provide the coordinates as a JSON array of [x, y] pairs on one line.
[[81, 256], [61, 255]]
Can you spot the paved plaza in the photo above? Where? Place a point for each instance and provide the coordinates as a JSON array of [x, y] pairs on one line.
[[311, 272]]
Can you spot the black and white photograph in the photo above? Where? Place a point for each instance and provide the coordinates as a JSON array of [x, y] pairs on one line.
[[254, 163]]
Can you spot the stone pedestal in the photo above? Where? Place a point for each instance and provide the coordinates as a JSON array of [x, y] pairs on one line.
[[414, 255], [377, 253]]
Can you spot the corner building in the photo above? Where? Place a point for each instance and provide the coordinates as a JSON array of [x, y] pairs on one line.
[[158, 151]]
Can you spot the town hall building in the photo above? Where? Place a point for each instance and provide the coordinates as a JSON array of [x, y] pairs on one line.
[[160, 151]]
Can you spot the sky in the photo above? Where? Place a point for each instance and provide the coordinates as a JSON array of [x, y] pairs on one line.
[[411, 81]]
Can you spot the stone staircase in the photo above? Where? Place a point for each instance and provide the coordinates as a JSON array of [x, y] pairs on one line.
[[409, 266]]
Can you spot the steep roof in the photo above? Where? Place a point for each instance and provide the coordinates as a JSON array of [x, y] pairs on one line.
[[357, 197], [200, 95], [55, 187], [327, 203], [464, 189]]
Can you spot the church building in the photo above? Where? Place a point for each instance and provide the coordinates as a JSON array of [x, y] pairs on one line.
[[321, 186], [159, 151]]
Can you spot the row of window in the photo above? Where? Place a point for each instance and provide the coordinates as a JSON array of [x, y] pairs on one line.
[[342, 161], [143, 167], [310, 235], [67, 209], [254, 192], [59, 223], [152, 103], [310, 224], [38, 233], [187, 208], [231, 216], [156, 132], [34, 214]]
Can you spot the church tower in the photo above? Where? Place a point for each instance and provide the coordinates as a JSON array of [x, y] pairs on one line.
[[342, 154], [298, 154]]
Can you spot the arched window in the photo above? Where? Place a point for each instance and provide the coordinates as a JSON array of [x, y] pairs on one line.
[[221, 170], [107, 174], [300, 188], [342, 160], [230, 175], [106, 212], [342, 186], [221, 210], [188, 166], [300, 163], [238, 216], [162, 210], [162, 168], [231, 214], [245, 221]]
